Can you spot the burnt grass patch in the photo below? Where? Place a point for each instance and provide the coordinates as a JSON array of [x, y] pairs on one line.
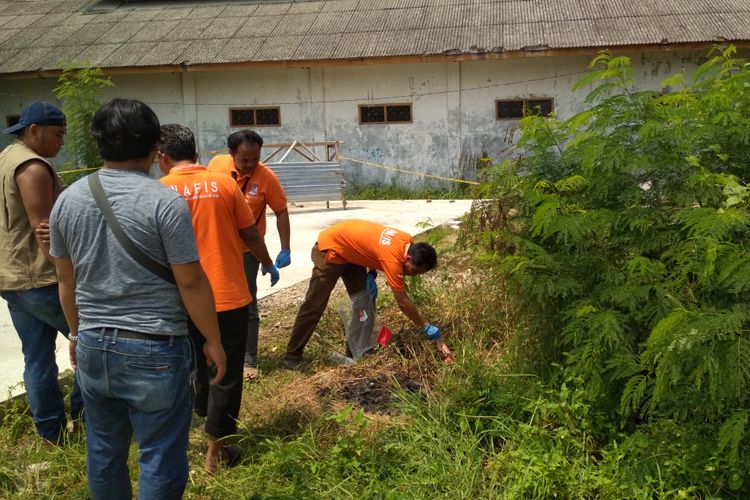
[[375, 394]]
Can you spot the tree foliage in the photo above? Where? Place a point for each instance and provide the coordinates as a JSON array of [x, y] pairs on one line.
[[79, 91], [625, 237]]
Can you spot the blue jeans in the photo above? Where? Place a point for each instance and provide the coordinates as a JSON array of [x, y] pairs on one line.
[[141, 387], [37, 317]]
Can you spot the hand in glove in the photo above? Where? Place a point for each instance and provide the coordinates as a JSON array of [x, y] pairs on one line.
[[283, 259], [372, 287], [273, 271], [431, 331]]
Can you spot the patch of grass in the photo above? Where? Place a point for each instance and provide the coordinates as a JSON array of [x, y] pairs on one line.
[[31, 470], [393, 192], [400, 424]]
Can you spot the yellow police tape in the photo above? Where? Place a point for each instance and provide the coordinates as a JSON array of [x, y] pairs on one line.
[[368, 163], [225, 150], [78, 170], [378, 165], [63, 172]]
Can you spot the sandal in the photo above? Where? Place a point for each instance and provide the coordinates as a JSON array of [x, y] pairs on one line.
[[230, 455], [250, 373]]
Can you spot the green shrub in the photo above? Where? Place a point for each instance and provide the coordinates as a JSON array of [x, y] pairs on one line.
[[79, 90], [625, 230]]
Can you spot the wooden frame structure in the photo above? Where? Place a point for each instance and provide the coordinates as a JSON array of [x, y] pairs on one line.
[[308, 171]]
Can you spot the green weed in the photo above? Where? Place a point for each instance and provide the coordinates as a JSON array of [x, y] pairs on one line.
[[621, 234], [393, 192]]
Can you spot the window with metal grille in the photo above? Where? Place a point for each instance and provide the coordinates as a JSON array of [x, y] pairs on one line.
[[267, 116], [518, 108], [385, 113], [11, 120], [255, 117]]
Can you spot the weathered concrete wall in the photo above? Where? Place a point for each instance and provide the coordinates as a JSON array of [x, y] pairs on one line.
[[161, 91], [453, 105], [425, 145], [15, 94], [295, 91]]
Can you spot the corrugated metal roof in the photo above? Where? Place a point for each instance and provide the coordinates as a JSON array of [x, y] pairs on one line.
[[222, 27], [204, 51], [41, 34], [239, 50], [23, 60], [188, 29], [332, 21], [340, 6], [155, 32], [318, 47], [96, 54], [243, 10], [259, 26], [306, 7], [278, 48], [128, 54], [167, 52]]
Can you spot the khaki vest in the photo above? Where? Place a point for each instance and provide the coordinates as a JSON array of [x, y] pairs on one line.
[[22, 263]]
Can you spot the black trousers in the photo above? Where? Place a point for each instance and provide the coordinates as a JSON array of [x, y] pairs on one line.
[[252, 265], [220, 403]]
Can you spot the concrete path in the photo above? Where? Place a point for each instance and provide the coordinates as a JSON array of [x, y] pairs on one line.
[[307, 220]]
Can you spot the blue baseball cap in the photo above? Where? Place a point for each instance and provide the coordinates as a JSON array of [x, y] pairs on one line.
[[38, 113]]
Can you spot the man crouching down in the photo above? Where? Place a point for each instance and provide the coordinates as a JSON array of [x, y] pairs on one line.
[[345, 250]]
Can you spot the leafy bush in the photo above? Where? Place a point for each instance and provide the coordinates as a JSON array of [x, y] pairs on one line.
[[79, 90], [625, 230]]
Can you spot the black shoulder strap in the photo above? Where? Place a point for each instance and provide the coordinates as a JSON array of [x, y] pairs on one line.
[[136, 253], [243, 190], [262, 214]]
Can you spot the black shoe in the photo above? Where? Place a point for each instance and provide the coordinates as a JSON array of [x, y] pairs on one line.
[[291, 364]]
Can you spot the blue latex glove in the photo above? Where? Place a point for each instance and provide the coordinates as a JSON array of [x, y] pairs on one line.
[[372, 287], [283, 259], [432, 332], [273, 271]]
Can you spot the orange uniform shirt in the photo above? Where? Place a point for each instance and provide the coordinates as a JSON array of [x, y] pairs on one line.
[[261, 188], [368, 244], [219, 210]]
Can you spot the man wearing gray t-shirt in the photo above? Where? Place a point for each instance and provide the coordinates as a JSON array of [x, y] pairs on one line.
[[129, 338]]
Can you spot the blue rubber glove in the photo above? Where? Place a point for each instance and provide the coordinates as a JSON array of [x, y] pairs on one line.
[[273, 271], [432, 332], [372, 287], [283, 259]]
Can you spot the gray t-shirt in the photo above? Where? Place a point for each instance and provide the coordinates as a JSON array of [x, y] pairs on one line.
[[112, 289]]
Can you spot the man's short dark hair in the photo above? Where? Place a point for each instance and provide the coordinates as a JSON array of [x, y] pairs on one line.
[[125, 129], [423, 256], [245, 136], [177, 141]]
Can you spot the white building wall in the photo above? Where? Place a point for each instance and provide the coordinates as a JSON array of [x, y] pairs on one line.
[[423, 145], [15, 94], [453, 105]]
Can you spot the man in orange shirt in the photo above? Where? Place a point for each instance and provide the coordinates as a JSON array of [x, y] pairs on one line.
[[262, 189], [345, 250], [222, 220]]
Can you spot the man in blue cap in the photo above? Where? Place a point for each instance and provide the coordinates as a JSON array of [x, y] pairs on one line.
[[29, 187]]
